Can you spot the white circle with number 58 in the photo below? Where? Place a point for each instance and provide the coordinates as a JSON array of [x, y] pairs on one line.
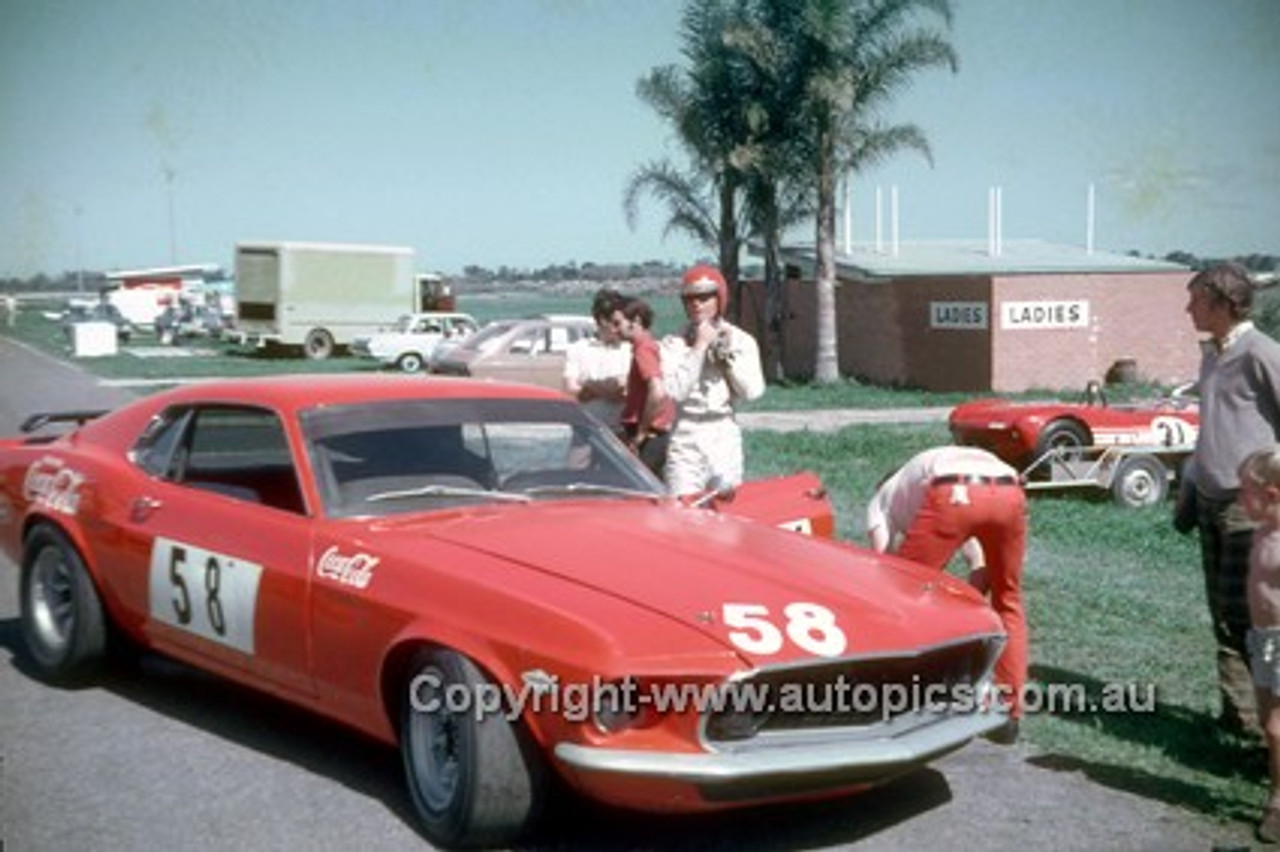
[[809, 626]]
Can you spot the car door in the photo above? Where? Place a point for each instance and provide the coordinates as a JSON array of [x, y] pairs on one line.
[[217, 543], [796, 502]]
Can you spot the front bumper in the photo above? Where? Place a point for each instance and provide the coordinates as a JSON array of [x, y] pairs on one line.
[[788, 766]]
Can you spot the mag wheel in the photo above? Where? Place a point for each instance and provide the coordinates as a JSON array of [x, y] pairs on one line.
[[475, 778], [1140, 481], [62, 619]]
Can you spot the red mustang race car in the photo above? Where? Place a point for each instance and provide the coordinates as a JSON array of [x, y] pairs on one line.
[[1132, 448], [483, 576]]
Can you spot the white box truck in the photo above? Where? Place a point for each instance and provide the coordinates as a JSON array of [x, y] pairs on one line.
[[320, 296]]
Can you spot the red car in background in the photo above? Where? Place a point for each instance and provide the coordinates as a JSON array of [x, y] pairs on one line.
[[1133, 448], [483, 576]]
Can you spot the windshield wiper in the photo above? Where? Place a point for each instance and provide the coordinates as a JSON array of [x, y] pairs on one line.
[[591, 488], [446, 491]]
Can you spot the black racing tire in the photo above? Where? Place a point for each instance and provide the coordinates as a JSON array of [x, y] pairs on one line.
[[411, 362], [63, 622], [319, 344], [1140, 481], [475, 782], [1062, 434]]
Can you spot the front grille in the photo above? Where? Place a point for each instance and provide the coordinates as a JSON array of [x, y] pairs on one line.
[[855, 693]]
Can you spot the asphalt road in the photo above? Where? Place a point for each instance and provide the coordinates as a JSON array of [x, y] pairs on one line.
[[159, 756]]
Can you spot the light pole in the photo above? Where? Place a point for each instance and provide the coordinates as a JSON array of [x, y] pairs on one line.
[[169, 175], [79, 249]]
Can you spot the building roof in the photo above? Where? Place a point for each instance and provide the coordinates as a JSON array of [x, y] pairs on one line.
[[974, 257]]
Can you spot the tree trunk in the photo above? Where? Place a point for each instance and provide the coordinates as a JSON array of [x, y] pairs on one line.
[[729, 246], [826, 368], [774, 281]]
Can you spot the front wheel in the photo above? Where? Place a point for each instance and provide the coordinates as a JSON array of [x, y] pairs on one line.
[[475, 778], [63, 623], [1140, 481]]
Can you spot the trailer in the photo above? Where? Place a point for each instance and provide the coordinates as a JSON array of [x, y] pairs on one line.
[[1135, 475], [319, 297]]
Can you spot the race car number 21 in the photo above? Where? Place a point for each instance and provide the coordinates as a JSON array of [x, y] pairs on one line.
[[809, 626], [209, 594]]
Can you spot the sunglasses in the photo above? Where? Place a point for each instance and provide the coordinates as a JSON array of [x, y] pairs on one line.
[[698, 297]]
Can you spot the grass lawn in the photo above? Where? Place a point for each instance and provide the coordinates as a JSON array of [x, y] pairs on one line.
[[1115, 601], [1115, 597]]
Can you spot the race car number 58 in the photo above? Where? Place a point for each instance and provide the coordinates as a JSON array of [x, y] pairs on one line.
[[209, 594], [809, 626]]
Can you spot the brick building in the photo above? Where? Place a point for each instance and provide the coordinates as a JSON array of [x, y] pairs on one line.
[[956, 316]]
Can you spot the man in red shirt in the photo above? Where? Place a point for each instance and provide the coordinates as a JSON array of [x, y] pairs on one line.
[[647, 413]]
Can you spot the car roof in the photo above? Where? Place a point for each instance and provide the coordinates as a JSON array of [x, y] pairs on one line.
[[306, 391], [567, 319], [442, 315]]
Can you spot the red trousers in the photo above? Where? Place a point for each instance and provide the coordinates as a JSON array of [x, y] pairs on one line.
[[996, 515]]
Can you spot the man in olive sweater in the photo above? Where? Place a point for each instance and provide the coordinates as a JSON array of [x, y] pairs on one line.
[[1239, 390]]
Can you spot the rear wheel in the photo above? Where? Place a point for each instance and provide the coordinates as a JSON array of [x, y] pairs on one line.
[[1140, 481], [318, 344], [475, 778], [63, 623], [410, 362]]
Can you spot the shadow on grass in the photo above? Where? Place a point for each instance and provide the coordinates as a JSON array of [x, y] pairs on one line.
[[1192, 739]]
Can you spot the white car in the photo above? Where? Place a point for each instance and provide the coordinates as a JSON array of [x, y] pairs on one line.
[[415, 337]]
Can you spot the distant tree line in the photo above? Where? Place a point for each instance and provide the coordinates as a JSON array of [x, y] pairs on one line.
[[91, 281], [571, 271]]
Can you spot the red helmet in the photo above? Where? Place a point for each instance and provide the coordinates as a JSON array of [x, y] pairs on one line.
[[705, 278]]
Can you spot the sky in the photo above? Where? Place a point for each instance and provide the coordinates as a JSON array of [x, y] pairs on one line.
[[138, 133]]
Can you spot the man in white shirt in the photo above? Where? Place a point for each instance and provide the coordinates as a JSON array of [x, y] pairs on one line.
[[595, 369], [707, 371], [951, 498]]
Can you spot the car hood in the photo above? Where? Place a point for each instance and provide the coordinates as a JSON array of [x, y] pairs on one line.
[[690, 564]]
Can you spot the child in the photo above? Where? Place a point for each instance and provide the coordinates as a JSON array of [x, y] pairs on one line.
[[1260, 499]]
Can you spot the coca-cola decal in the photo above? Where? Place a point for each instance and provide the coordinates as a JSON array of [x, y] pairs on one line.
[[355, 570], [53, 485]]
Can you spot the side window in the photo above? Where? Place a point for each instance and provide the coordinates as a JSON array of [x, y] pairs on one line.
[[237, 452], [559, 339], [529, 343], [517, 448], [160, 451]]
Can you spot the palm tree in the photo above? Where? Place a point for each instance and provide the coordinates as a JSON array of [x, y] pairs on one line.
[[850, 57], [703, 104], [779, 100], [774, 180]]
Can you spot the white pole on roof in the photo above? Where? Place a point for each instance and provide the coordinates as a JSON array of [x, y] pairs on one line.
[[991, 221], [879, 222], [999, 220], [1089, 221], [893, 213]]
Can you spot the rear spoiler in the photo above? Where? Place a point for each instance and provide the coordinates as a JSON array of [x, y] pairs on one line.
[[43, 419]]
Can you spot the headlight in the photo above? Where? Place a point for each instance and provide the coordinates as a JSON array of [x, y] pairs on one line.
[[617, 706]]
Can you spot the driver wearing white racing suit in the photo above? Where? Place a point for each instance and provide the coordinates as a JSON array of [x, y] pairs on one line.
[[707, 371]]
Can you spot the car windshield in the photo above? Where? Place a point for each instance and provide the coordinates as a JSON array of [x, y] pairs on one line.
[[492, 331], [401, 456]]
